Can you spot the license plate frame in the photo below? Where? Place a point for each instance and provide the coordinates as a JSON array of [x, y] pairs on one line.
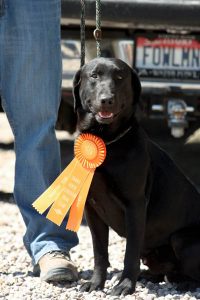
[[167, 57]]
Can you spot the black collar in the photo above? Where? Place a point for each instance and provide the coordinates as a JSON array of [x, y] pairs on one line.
[[119, 136]]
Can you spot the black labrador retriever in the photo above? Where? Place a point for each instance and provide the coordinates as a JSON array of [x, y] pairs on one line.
[[138, 191]]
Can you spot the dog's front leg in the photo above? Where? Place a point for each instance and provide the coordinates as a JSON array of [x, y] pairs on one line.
[[99, 231], [135, 225]]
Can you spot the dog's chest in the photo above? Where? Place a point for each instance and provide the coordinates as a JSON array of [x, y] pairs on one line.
[[103, 198]]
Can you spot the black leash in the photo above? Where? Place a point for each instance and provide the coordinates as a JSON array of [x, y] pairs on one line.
[[97, 32], [82, 32]]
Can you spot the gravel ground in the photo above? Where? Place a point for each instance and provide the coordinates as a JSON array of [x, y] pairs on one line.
[[16, 278], [18, 283]]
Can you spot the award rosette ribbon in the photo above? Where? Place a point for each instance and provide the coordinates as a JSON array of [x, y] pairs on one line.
[[70, 189]]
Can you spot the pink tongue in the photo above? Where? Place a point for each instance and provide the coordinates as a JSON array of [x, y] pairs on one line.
[[105, 115]]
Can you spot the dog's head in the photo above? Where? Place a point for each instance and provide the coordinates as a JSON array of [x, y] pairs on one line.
[[106, 92]]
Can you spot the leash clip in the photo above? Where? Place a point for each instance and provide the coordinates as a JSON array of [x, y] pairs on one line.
[[97, 34]]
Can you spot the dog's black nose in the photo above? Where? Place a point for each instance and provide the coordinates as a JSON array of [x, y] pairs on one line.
[[107, 100]]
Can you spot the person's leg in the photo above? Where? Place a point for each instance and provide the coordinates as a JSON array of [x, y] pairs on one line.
[[30, 78]]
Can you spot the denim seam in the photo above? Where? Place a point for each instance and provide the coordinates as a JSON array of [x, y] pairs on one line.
[[2, 10]]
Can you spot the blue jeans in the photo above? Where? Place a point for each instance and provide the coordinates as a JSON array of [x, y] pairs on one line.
[[30, 81]]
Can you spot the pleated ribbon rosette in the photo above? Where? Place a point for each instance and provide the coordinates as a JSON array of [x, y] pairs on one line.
[[70, 189]]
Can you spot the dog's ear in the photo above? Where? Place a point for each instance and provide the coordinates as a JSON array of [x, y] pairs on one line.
[[136, 87], [75, 90]]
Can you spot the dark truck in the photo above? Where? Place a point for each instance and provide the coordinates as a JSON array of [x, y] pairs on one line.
[[160, 38]]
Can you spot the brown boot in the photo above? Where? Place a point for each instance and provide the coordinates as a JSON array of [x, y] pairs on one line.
[[57, 266]]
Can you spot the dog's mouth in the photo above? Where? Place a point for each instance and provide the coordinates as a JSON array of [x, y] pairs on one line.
[[104, 117]]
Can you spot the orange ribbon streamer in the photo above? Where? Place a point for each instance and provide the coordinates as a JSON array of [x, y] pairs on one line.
[[70, 189]]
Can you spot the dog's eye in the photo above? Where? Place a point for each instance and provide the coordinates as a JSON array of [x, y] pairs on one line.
[[119, 77], [94, 75]]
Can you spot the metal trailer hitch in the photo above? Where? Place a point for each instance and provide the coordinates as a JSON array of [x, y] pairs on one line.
[[177, 110]]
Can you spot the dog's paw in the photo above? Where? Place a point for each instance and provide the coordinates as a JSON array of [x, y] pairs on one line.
[[124, 287], [90, 286]]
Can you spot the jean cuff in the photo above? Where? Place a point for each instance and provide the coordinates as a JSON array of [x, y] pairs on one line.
[[48, 248]]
